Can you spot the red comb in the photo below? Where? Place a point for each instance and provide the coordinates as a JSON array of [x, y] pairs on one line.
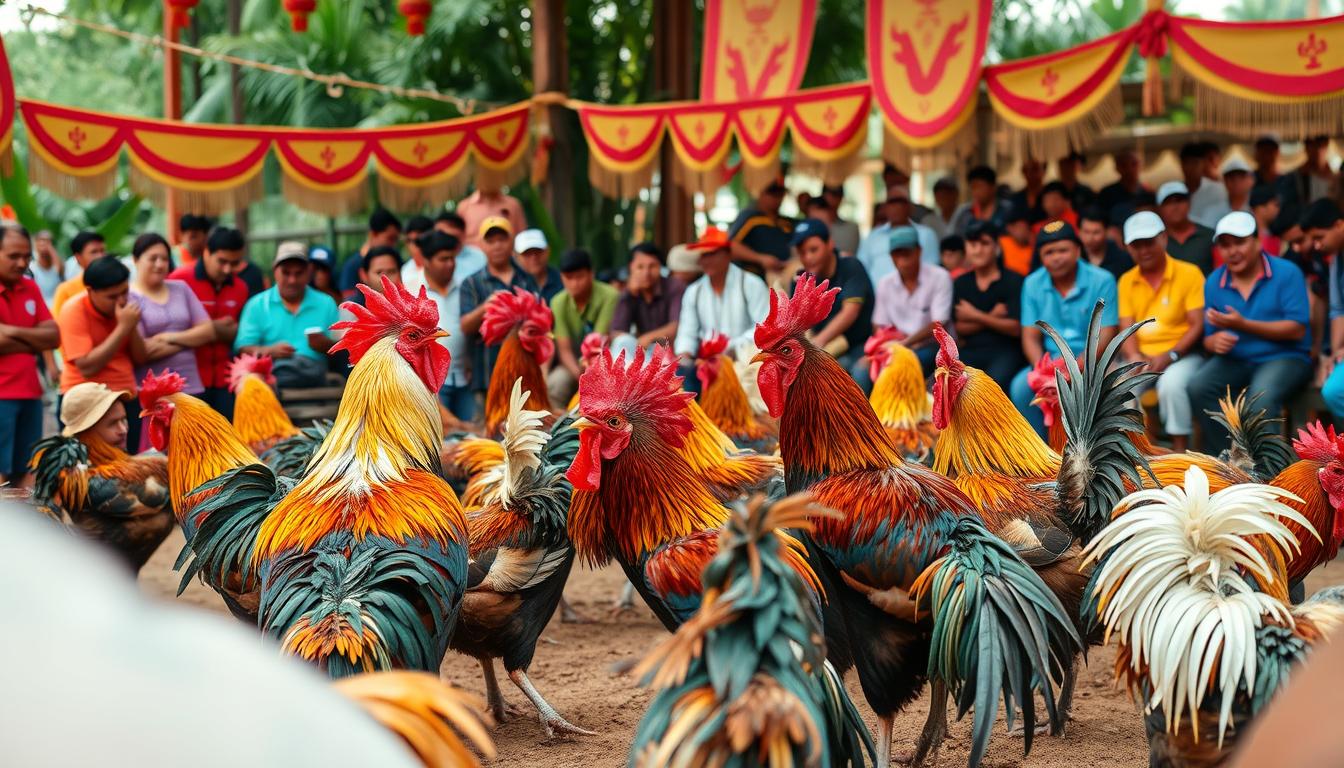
[[154, 387], [1043, 374], [647, 389], [713, 346], [507, 311], [382, 315], [882, 336], [592, 345], [949, 356], [249, 363], [810, 304], [1317, 443]]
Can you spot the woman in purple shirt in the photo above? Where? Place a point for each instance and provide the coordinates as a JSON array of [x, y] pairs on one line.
[[172, 321]]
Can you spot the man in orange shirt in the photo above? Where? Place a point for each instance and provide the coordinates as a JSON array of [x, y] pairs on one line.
[[99, 340], [1016, 243], [85, 248], [195, 229]]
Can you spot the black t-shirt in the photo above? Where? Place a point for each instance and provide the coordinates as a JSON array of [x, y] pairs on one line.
[[852, 280], [762, 233], [1007, 290]]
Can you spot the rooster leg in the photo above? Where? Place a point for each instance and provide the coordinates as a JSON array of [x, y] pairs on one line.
[[935, 728], [570, 616], [551, 721], [500, 709], [626, 602], [1065, 704], [884, 723]]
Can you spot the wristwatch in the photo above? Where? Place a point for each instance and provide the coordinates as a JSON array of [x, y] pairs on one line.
[[1173, 355]]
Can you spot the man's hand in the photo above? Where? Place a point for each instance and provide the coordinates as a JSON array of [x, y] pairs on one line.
[[1157, 363], [128, 314], [281, 350], [1221, 342], [999, 310], [968, 311], [1230, 319]]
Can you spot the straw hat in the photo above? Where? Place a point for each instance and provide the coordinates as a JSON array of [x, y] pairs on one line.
[[84, 404]]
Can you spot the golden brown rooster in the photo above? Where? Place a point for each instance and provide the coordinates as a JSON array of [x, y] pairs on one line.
[[899, 397], [257, 414], [725, 402], [520, 322]]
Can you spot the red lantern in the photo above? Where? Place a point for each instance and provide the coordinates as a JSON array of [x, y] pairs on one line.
[[415, 12], [298, 11], [180, 12]]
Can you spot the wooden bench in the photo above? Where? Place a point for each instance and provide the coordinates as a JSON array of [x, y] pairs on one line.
[[310, 403]]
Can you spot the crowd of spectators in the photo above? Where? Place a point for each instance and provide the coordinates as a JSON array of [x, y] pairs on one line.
[[1236, 267]]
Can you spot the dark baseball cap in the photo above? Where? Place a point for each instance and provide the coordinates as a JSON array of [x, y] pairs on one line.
[[1056, 231], [810, 228]]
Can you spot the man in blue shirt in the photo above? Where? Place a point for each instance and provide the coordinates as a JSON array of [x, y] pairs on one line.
[[1323, 230], [501, 273], [290, 321], [875, 252], [1062, 293], [1256, 330]]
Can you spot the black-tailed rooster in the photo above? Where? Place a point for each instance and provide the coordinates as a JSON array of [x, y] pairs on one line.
[[363, 563], [992, 629]]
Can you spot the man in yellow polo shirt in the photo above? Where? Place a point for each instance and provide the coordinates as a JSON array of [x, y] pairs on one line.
[[1171, 292]]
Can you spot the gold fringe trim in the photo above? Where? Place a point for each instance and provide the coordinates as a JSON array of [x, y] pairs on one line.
[[496, 179], [621, 185], [758, 177], [344, 202], [690, 181], [959, 146], [1216, 110], [1058, 141], [7, 160], [414, 198], [204, 202], [96, 187], [833, 171]]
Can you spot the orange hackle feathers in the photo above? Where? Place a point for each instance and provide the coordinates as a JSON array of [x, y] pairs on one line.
[[721, 394], [900, 400], [513, 363], [438, 723], [257, 415], [986, 434], [810, 304], [201, 447]]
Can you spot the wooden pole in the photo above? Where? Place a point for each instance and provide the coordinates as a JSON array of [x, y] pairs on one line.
[[550, 72], [240, 218], [673, 78], [172, 105]]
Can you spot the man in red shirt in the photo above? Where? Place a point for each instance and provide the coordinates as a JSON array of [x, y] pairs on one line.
[[26, 330], [213, 278]]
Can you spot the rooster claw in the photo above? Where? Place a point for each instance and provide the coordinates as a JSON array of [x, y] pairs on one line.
[[559, 726]]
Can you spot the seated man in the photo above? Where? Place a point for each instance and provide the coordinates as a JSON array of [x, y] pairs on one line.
[[1323, 230], [725, 299], [1062, 293], [649, 307], [843, 332], [585, 306], [987, 307], [1255, 329], [290, 321], [1171, 292], [910, 299]]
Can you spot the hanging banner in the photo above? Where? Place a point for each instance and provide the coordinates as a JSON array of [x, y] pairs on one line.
[[213, 168], [755, 48], [7, 109], [1250, 76], [1056, 102], [924, 60]]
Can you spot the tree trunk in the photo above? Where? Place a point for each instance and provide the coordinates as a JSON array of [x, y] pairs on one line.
[[550, 72], [673, 78]]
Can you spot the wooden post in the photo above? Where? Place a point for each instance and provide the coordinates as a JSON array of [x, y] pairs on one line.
[[673, 78], [172, 105], [550, 72], [240, 218]]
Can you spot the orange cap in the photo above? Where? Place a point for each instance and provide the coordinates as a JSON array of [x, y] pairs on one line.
[[713, 239]]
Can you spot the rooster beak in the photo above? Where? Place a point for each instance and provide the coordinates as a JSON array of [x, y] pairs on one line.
[[1037, 400], [760, 357], [440, 334], [144, 412], [581, 423]]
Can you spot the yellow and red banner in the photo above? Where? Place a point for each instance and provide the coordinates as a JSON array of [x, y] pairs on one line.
[[924, 60], [755, 48], [7, 108], [827, 127], [1059, 101], [211, 168]]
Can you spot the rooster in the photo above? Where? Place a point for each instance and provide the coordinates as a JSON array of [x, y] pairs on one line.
[[745, 682], [520, 324], [520, 556], [438, 723], [363, 562], [1203, 648], [592, 346], [107, 494], [201, 446], [725, 402], [899, 398], [991, 628], [257, 414], [1041, 379]]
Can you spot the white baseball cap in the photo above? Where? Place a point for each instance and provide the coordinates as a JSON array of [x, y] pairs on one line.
[[530, 239], [1236, 165], [1143, 225], [1172, 188], [1236, 224]]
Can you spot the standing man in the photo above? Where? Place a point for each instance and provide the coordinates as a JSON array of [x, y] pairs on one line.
[[26, 331], [1187, 240], [488, 204], [913, 297], [845, 234], [987, 307], [850, 322], [99, 340], [1267, 159], [195, 229], [1062, 293], [1265, 209], [1312, 180], [85, 248], [414, 267], [1255, 329], [1098, 249], [1054, 202], [875, 253], [534, 256], [439, 251], [1029, 197], [470, 259], [290, 321], [759, 235], [946, 197], [650, 306], [725, 299], [214, 279], [1238, 181], [48, 271], [1207, 198], [1079, 194], [983, 184], [384, 229], [1171, 293], [1016, 241], [583, 307], [501, 273], [1128, 188]]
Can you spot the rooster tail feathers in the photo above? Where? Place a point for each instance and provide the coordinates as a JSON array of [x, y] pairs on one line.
[[290, 457], [60, 477], [998, 632], [440, 724], [1258, 446], [223, 541], [1097, 406]]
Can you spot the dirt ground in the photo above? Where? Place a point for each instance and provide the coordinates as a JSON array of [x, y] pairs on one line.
[[573, 670]]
